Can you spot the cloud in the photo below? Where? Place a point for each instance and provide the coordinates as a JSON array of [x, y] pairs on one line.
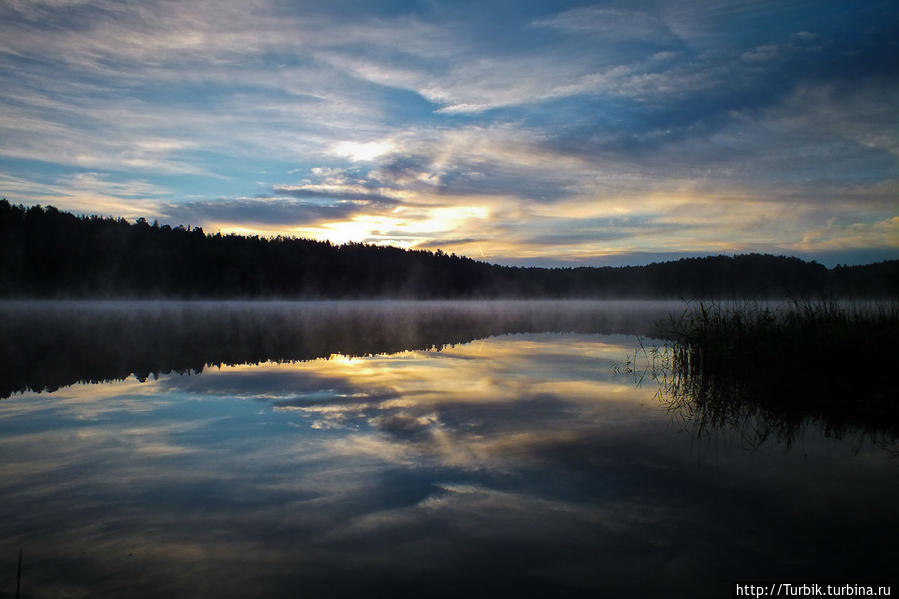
[[761, 53], [344, 193], [417, 125], [252, 212], [608, 23], [88, 193], [356, 151]]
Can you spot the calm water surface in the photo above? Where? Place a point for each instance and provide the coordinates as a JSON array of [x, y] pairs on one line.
[[495, 452]]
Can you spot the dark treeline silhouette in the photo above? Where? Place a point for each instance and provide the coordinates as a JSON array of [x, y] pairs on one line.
[[48, 253]]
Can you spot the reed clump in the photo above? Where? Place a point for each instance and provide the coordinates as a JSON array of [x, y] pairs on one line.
[[783, 365]]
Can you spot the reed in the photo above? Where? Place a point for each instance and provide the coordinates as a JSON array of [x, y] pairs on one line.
[[773, 368]]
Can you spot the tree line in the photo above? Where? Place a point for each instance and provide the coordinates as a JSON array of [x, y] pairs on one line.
[[45, 252]]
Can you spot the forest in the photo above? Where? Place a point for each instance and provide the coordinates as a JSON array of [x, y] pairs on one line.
[[48, 253]]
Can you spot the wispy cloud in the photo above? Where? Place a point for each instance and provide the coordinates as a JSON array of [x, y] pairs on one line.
[[613, 24], [705, 128]]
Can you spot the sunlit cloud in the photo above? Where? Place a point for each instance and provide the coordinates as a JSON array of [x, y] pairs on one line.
[[362, 151]]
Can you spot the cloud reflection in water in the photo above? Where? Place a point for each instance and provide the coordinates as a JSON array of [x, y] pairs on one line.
[[514, 465]]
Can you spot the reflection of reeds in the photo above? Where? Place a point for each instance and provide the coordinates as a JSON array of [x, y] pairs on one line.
[[773, 369]]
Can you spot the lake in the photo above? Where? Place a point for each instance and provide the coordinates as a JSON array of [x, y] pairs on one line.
[[345, 449]]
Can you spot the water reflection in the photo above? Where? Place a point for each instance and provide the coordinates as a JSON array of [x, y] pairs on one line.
[[472, 406], [514, 465], [46, 344]]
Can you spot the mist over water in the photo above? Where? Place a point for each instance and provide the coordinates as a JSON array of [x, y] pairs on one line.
[[50, 344], [341, 449]]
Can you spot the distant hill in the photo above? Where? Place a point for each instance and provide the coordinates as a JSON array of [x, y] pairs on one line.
[[48, 253]]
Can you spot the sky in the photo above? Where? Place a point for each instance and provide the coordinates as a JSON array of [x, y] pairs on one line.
[[529, 133]]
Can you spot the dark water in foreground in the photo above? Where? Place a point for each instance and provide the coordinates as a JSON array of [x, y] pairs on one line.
[[511, 461]]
